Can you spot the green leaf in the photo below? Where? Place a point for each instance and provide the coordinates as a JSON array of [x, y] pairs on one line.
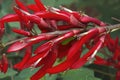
[[14, 24], [49, 77], [48, 2], [62, 2], [25, 74], [5, 7], [57, 2], [68, 40], [9, 73], [80, 74]]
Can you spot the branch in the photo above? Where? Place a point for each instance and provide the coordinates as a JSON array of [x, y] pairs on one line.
[[110, 28], [55, 33], [113, 28]]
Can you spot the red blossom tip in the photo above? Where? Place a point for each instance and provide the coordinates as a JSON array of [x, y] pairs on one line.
[[21, 5], [4, 63]]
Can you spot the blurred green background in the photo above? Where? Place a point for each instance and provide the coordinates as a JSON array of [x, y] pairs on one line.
[[101, 9]]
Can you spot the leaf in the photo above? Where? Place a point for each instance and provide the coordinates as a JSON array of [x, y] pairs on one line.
[[62, 2], [68, 40], [14, 24], [48, 2], [80, 74], [57, 2], [50, 77], [6, 7], [25, 74], [9, 73]]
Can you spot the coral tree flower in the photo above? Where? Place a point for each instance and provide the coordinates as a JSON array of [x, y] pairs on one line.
[[113, 60], [56, 26], [3, 64], [1, 30]]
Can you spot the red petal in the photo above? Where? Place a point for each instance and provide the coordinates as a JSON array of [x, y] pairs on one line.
[[33, 7], [22, 32], [18, 46], [65, 36], [64, 65], [74, 21], [23, 18], [10, 18], [21, 65], [76, 14], [89, 55], [50, 59], [21, 5], [63, 50], [28, 41], [35, 59], [87, 19], [45, 47], [54, 16], [40, 56], [65, 27], [39, 74], [4, 63], [116, 49], [38, 20], [0, 65], [40, 5], [118, 75], [78, 45], [2, 29], [100, 61], [72, 51], [116, 54], [56, 40]]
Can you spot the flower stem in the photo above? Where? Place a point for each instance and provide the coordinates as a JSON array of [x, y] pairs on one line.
[[110, 28], [113, 28]]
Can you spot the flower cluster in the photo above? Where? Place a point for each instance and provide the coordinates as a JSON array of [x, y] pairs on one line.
[[113, 59], [56, 26]]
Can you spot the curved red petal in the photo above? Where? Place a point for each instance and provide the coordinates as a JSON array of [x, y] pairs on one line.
[[21, 5], [89, 55], [18, 46], [54, 16], [40, 5], [27, 56], [28, 41], [45, 47], [64, 65], [33, 7], [4, 63], [10, 18], [50, 59], [118, 75], [22, 32]]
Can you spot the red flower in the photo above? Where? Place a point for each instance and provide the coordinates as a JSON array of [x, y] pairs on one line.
[[118, 75], [112, 60], [56, 26], [1, 29], [74, 52], [28, 54], [3, 64], [18, 45]]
